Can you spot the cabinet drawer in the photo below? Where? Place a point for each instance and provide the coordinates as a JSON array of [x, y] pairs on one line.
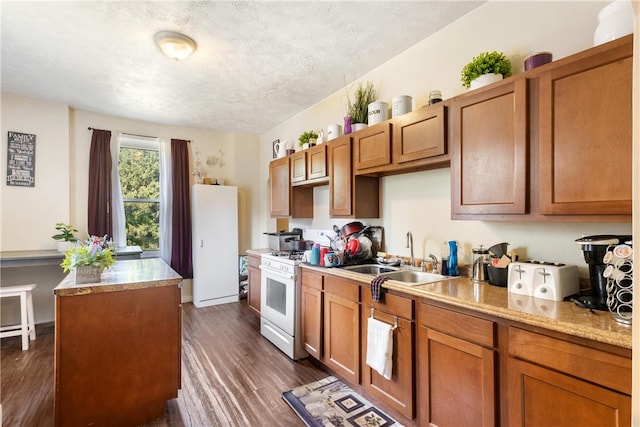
[[253, 261], [474, 329], [392, 304], [344, 289], [607, 369], [312, 279]]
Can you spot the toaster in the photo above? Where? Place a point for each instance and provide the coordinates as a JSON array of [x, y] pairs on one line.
[[544, 280]]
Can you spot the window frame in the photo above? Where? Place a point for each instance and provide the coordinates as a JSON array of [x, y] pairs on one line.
[[130, 141]]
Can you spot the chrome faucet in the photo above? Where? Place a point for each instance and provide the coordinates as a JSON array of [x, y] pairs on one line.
[[410, 245]]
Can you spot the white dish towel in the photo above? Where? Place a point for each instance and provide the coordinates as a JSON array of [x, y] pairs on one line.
[[380, 347]]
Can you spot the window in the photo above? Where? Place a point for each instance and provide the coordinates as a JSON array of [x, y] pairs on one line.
[[139, 167]]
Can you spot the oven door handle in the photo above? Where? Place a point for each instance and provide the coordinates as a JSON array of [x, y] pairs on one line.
[[273, 271]]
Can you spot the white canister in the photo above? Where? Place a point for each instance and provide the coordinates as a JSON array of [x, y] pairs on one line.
[[333, 131], [614, 21], [378, 112], [400, 105]]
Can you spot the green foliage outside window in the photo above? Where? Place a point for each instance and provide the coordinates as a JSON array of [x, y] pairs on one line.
[[140, 181]]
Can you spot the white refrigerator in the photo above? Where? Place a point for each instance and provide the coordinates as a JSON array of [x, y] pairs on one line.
[[214, 217]]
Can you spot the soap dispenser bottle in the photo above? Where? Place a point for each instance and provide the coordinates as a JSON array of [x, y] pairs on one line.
[[453, 258]]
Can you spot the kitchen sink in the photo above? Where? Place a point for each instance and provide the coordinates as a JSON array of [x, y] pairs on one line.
[[412, 277], [373, 269]]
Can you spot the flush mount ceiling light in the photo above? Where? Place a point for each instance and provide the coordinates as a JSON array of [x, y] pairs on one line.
[[175, 45]]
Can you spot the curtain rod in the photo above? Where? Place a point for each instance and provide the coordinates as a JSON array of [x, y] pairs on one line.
[[133, 134]]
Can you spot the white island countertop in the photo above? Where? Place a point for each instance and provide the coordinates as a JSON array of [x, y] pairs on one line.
[[121, 276]]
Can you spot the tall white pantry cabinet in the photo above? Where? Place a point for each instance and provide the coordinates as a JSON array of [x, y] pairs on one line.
[[214, 217]]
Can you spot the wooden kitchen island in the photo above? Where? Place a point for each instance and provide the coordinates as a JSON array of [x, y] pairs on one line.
[[117, 345]]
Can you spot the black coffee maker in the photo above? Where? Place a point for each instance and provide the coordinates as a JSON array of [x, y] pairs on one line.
[[594, 248]]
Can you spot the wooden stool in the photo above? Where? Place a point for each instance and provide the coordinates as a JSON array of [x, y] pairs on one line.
[[27, 326]]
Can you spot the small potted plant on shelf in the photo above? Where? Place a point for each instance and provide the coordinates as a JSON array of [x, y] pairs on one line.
[[89, 259], [486, 68], [307, 139], [65, 237], [358, 110]]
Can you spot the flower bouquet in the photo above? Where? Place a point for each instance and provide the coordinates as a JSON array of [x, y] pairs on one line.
[[89, 259]]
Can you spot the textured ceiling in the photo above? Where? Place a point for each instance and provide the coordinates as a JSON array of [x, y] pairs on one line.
[[257, 63]]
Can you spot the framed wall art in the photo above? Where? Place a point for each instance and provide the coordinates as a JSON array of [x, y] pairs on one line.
[[21, 159]]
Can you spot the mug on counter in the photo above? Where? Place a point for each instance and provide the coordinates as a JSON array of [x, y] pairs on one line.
[[331, 259]]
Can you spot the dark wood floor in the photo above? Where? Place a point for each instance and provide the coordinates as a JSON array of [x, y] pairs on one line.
[[231, 375]]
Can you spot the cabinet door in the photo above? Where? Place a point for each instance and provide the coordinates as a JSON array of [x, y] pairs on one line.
[[457, 381], [420, 134], [317, 162], [339, 153], [372, 147], [299, 166], [253, 297], [585, 114], [311, 310], [397, 392], [542, 397], [489, 150], [342, 328], [280, 186]]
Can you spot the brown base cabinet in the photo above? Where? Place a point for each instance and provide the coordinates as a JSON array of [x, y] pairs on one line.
[[457, 369], [312, 301], [399, 391], [342, 327], [117, 356], [557, 383], [254, 278]]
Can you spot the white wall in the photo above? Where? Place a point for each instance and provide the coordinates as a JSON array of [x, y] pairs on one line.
[[420, 201], [29, 214]]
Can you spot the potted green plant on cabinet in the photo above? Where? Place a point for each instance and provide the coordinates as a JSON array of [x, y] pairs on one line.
[[358, 110], [486, 68], [307, 139]]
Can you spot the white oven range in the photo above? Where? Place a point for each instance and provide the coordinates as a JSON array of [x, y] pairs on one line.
[[280, 296]]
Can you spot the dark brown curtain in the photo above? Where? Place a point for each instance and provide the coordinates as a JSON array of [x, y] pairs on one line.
[[100, 222], [181, 209]]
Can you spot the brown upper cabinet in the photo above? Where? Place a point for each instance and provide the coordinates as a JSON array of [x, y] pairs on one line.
[[585, 111], [309, 167], [551, 144], [286, 201], [298, 166], [372, 147], [413, 141], [420, 137], [489, 150], [350, 196]]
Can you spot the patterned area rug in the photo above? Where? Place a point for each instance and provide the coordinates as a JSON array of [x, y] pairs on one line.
[[329, 402]]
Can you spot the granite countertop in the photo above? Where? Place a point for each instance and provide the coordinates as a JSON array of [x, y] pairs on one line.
[[259, 251], [560, 316], [122, 276]]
